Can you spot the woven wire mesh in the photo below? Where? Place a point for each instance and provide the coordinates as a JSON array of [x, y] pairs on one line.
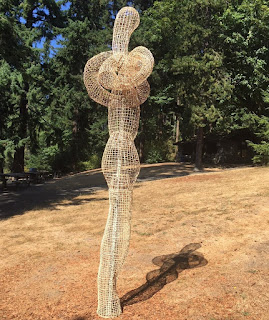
[[117, 79]]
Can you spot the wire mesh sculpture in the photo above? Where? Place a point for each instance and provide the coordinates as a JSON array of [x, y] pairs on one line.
[[117, 79]]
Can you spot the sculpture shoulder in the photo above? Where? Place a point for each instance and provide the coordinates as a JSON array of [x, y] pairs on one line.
[[94, 63], [90, 75]]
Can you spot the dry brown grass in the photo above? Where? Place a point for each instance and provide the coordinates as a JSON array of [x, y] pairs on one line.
[[50, 256]]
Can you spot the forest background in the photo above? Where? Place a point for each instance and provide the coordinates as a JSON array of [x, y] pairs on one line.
[[211, 77]]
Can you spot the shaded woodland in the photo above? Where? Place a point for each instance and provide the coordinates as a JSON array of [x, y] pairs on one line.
[[210, 82]]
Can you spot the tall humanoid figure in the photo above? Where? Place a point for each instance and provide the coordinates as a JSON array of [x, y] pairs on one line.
[[117, 79]]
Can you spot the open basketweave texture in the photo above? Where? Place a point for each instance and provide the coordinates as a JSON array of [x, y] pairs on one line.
[[117, 79]]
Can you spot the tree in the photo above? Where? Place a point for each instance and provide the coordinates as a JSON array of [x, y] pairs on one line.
[[69, 108], [29, 22], [5, 82], [244, 34], [193, 81]]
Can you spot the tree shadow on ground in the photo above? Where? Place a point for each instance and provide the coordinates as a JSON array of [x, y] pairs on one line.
[[63, 191], [54, 192], [170, 267]]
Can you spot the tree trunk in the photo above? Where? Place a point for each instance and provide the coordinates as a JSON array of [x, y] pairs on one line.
[[141, 144], [177, 128], [1, 166], [199, 149], [141, 149], [2, 159], [75, 142], [18, 160], [141, 139], [178, 147]]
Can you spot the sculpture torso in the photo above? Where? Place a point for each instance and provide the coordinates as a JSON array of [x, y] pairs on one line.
[[120, 161]]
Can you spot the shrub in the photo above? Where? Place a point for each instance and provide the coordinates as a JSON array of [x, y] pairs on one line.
[[94, 162], [261, 149]]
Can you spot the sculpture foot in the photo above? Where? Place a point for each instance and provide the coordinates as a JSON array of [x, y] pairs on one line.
[[112, 309]]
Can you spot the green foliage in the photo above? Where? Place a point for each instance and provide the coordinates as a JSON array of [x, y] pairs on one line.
[[262, 148], [160, 151], [46, 159], [244, 32], [262, 152], [154, 156], [245, 28], [94, 162]]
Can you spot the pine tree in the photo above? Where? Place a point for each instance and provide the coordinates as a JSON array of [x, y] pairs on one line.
[[245, 28], [192, 79], [29, 22]]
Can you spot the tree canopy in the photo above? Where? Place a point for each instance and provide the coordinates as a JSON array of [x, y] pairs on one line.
[[211, 77]]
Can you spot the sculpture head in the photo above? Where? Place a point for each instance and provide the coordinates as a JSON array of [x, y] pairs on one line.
[[127, 20], [111, 75]]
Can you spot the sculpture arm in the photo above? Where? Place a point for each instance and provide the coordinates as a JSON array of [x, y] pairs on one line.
[[93, 86], [123, 72], [145, 61]]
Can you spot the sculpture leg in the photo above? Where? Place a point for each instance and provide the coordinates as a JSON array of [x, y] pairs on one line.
[[114, 249]]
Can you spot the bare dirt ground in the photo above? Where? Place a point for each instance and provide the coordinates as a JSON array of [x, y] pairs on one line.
[[199, 247]]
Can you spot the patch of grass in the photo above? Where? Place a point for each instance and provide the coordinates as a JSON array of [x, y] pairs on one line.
[[244, 296], [78, 228], [265, 194], [158, 230], [37, 255], [143, 233], [170, 206], [201, 210], [98, 232], [59, 246], [223, 211], [16, 236], [245, 313], [253, 271], [21, 240], [61, 221], [30, 228], [179, 217]]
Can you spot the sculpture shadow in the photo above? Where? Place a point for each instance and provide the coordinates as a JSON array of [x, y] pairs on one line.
[[170, 267]]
